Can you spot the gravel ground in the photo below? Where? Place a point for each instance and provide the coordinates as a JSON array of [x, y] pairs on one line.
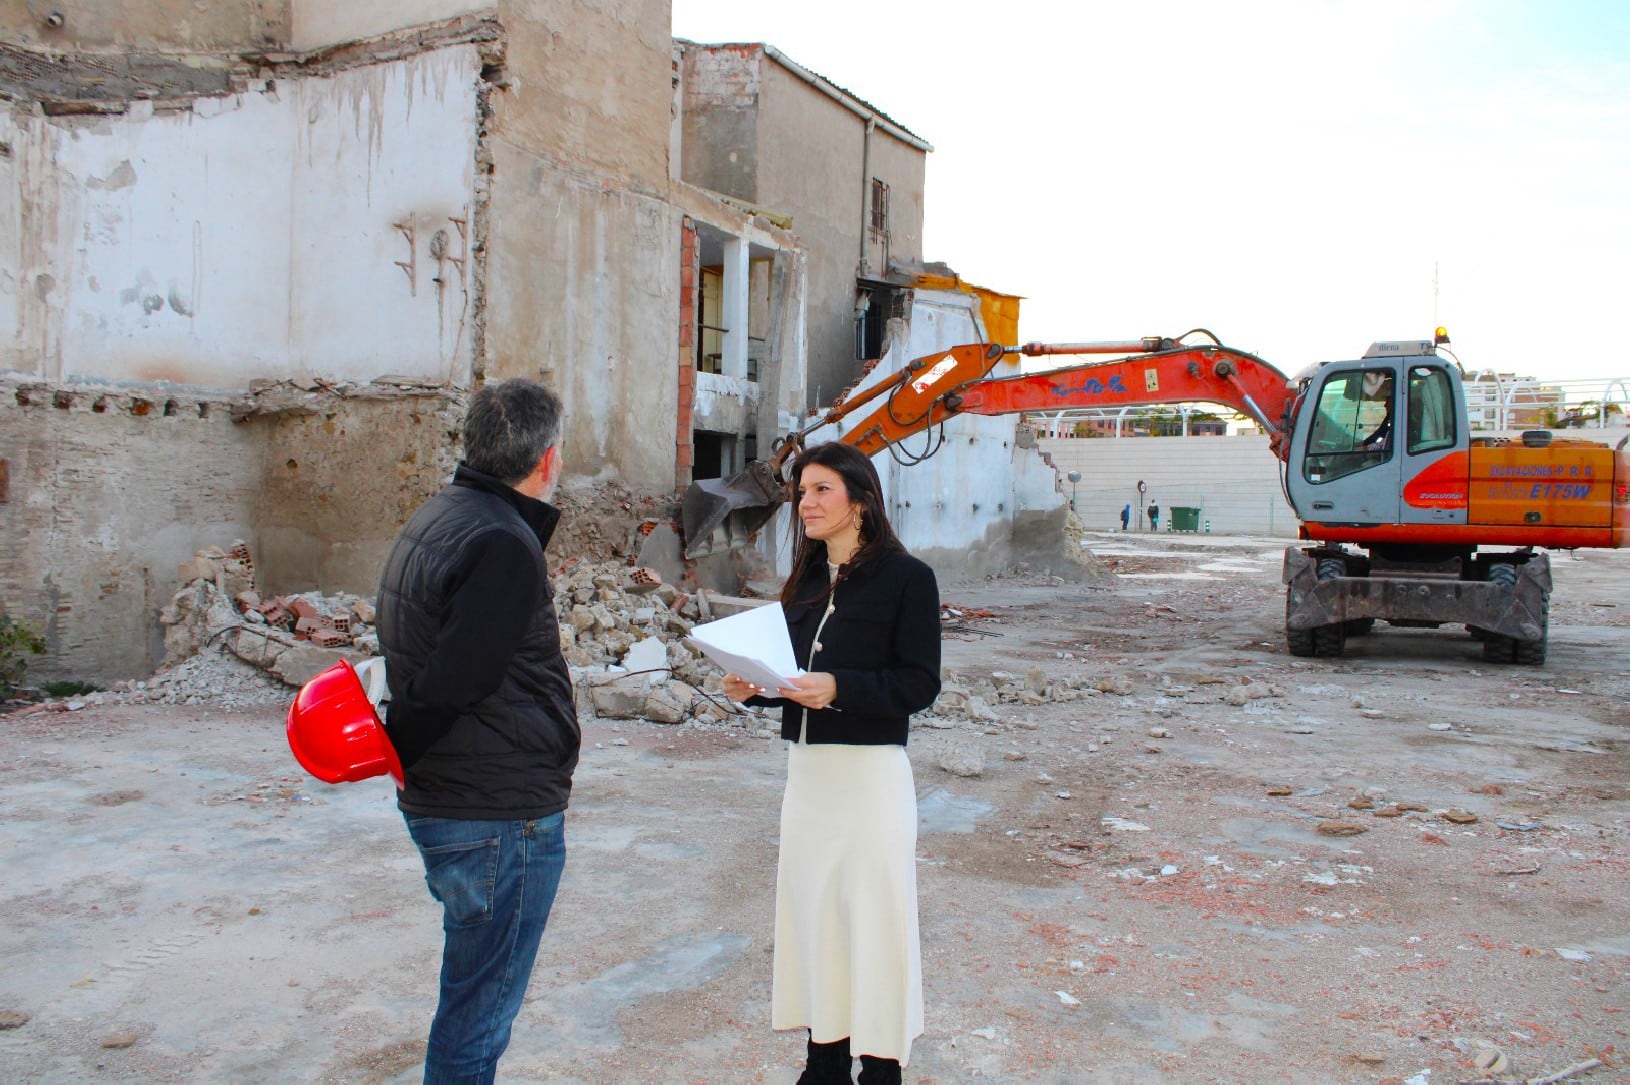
[[1216, 864]]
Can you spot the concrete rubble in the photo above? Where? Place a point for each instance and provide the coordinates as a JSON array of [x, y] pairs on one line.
[[623, 631]]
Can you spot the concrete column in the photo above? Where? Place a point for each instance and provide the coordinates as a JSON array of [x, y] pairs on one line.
[[737, 275]]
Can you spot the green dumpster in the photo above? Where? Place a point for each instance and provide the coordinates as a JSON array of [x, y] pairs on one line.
[[1185, 518]]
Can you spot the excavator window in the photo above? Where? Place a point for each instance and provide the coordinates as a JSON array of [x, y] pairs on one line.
[[1352, 425], [1431, 410]]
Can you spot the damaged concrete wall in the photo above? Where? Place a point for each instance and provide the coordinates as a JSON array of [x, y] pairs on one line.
[[583, 242], [719, 120], [159, 246], [105, 499], [591, 87], [583, 293], [314, 23], [159, 25]]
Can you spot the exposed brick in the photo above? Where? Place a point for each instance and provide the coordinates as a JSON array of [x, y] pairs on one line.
[[5, 481]]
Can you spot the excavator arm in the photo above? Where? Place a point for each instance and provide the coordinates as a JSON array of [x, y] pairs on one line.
[[723, 512]]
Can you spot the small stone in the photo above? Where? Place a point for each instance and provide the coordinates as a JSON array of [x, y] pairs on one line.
[[1159, 732], [1369, 1058], [1389, 812], [119, 1040], [10, 1019], [1067, 998], [1281, 789], [1339, 828], [1459, 817], [1063, 795], [1440, 727], [1361, 802]]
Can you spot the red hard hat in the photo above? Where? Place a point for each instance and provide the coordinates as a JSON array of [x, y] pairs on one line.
[[335, 733]]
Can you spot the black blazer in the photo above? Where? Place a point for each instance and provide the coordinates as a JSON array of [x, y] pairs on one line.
[[882, 644]]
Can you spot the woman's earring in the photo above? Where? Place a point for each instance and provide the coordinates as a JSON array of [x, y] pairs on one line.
[[857, 519]]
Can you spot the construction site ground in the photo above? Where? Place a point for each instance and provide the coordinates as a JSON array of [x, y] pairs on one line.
[[1230, 865]]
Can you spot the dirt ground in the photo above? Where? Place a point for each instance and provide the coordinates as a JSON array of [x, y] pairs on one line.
[[1230, 866]]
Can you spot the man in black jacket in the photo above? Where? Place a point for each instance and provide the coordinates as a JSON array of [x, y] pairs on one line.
[[481, 716]]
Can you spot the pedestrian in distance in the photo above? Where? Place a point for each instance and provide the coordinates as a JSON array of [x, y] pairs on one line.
[[863, 615], [1154, 516], [481, 716], [1126, 515]]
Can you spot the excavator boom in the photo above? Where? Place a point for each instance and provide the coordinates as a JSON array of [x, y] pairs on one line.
[[719, 513]]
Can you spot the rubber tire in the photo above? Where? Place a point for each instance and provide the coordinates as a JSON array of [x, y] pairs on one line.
[[1329, 641], [1358, 627], [1299, 641], [1497, 647]]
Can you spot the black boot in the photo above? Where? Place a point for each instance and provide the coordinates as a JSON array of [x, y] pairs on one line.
[[876, 1071], [828, 1064]]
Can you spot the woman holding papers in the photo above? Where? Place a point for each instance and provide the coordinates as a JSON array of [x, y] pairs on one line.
[[863, 616]]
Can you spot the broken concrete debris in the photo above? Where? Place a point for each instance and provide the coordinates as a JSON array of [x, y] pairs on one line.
[[623, 632]]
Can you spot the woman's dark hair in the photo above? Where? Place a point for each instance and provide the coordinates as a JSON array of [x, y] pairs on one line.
[[862, 485]]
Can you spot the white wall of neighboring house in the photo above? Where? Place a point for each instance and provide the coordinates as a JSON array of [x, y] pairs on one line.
[[1233, 481], [252, 236], [956, 509]]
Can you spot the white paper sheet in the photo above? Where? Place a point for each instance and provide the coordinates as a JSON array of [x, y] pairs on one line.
[[753, 645]]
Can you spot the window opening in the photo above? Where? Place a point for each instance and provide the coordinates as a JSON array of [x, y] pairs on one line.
[[1351, 429], [1431, 410]]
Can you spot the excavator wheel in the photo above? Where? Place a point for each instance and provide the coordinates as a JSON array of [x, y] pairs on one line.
[[1498, 648], [1358, 627], [1330, 641], [1299, 641]]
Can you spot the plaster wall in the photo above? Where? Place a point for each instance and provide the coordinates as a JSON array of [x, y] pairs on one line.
[[719, 120], [591, 87], [812, 162], [315, 23], [250, 237], [583, 293], [162, 25], [110, 491], [1233, 481]]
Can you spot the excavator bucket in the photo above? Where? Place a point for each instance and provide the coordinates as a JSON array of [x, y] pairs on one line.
[[722, 513]]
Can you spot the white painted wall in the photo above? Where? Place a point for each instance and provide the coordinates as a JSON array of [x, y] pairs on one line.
[[253, 236], [1234, 481]]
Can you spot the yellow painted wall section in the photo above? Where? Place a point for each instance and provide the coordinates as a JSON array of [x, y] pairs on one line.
[[1563, 486], [999, 311]]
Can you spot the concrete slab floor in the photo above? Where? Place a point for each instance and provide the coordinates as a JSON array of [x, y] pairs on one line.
[[1138, 888]]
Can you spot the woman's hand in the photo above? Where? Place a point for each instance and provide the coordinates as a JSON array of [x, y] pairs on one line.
[[816, 689], [739, 689]]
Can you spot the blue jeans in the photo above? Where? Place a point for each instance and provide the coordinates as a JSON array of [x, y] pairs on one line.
[[496, 882]]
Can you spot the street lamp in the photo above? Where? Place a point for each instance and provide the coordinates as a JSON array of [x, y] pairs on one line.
[[1074, 477]]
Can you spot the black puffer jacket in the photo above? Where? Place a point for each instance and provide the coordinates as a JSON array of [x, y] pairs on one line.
[[881, 643], [481, 709]]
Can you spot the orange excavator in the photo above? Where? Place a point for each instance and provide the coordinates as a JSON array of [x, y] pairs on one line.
[[1401, 508]]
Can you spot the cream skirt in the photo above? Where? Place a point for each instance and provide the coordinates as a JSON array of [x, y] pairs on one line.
[[847, 961]]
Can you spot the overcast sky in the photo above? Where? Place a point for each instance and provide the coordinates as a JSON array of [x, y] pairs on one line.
[[1301, 178]]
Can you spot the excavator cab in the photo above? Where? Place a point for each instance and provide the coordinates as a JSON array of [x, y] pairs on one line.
[[1366, 429]]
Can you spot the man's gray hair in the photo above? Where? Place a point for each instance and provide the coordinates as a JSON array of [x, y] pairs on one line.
[[509, 427]]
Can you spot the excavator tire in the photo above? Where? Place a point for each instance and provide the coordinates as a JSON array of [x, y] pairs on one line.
[[1299, 641], [1329, 641], [1358, 627], [1502, 649]]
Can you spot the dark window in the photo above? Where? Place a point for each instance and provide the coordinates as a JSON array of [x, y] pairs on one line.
[[880, 206], [1352, 425]]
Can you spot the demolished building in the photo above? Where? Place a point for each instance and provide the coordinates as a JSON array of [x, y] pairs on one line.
[[253, 259]]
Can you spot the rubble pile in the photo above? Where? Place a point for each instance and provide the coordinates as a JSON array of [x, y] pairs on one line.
[[622, 628]]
